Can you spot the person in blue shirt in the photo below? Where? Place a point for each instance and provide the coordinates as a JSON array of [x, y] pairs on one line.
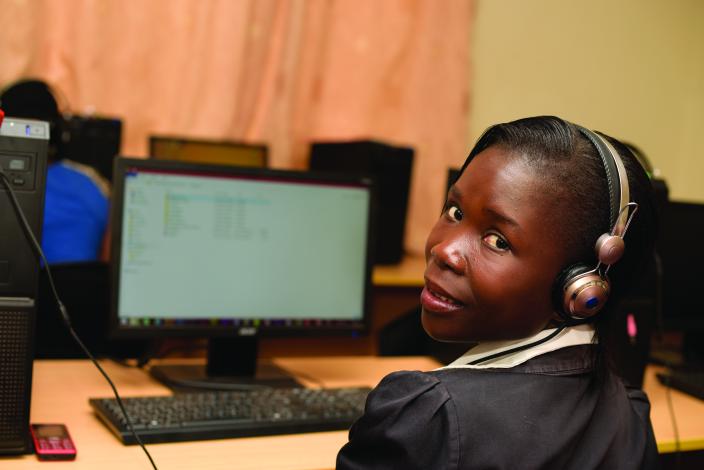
[[77, 198]]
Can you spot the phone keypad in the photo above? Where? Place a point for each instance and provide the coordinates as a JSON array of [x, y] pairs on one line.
[[55, 443]]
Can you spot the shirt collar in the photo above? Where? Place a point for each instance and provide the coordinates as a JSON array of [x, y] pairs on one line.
[[571, 336]]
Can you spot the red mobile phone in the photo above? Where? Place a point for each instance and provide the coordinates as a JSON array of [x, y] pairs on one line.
[[52, 442]]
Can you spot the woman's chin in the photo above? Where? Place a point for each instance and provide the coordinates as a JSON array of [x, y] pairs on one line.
[[436, 326]]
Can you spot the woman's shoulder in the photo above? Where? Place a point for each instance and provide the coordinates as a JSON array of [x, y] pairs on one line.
[[408, 422], [419, 392], [408, 381], [437, 386]]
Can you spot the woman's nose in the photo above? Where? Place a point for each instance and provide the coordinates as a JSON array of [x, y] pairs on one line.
[[450, 255]]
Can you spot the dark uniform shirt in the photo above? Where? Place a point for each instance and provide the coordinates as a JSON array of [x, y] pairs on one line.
[[550, 412]]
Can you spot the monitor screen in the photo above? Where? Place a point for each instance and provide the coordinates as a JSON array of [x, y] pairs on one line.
[[216, 250], [231, 253], [208, 151]]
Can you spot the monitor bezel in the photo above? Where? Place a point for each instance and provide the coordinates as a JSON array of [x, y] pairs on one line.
[[339, 328], [153, 139]]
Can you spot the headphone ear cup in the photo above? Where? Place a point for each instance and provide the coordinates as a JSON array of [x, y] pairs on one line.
[[609, 248], [580, 292]]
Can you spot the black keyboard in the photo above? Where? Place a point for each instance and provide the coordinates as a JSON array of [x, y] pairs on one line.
[[687, 381], [217, 415]]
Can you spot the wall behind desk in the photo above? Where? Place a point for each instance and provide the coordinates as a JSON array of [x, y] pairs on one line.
[[631, 68]]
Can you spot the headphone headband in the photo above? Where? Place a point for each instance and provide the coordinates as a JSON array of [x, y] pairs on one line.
[[619, 225], [616, 178]]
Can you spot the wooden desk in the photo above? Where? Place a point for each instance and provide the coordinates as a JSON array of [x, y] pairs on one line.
[[408, 273], [689, 413], [61, 390]]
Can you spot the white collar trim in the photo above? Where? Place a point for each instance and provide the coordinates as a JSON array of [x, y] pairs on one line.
[[571, 336]]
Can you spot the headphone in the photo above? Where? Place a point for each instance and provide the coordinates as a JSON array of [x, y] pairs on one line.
[[581, 290]]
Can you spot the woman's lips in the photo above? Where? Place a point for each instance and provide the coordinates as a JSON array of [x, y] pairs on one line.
[[433, 301]]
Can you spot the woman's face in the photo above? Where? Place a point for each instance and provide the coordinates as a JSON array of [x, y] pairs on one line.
[[492, 257]]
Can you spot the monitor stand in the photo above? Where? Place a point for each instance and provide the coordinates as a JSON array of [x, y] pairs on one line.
[[232, 365]]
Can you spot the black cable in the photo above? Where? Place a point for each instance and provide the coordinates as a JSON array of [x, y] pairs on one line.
[[519, 348], [671, 408], [64, 313]]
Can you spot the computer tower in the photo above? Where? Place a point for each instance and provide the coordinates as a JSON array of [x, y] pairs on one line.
[[23, 159], [93, 141], [391, 168]]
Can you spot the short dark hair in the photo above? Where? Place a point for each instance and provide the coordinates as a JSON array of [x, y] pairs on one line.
[[34, 99]]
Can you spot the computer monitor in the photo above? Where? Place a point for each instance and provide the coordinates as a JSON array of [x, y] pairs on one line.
[[93, 141], [392, 167], [208, 151], [682, 255], [231, 253]]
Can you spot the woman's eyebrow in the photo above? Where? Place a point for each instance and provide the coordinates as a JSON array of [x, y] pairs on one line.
[[455, 193], [502, 218]]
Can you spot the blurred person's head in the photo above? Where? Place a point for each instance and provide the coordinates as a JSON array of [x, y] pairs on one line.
[[33, 99]]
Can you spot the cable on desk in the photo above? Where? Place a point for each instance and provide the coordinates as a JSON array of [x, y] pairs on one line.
[[673, 419], [678, 449], [62, 309]]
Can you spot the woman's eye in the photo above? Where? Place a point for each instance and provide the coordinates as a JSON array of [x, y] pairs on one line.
[[496, 242], [455, 213]]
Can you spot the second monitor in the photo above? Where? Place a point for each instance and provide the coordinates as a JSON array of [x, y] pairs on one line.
[[208, 151], [391, 167]]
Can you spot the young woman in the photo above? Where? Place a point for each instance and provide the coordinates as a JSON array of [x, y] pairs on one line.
[[518, 261]]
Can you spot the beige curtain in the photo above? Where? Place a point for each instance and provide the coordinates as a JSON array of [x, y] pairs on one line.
[[282, 72]]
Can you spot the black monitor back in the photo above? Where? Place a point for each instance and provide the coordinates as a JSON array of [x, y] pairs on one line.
[[93, 141], [217, 152], [391, 167], [682, 253]]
